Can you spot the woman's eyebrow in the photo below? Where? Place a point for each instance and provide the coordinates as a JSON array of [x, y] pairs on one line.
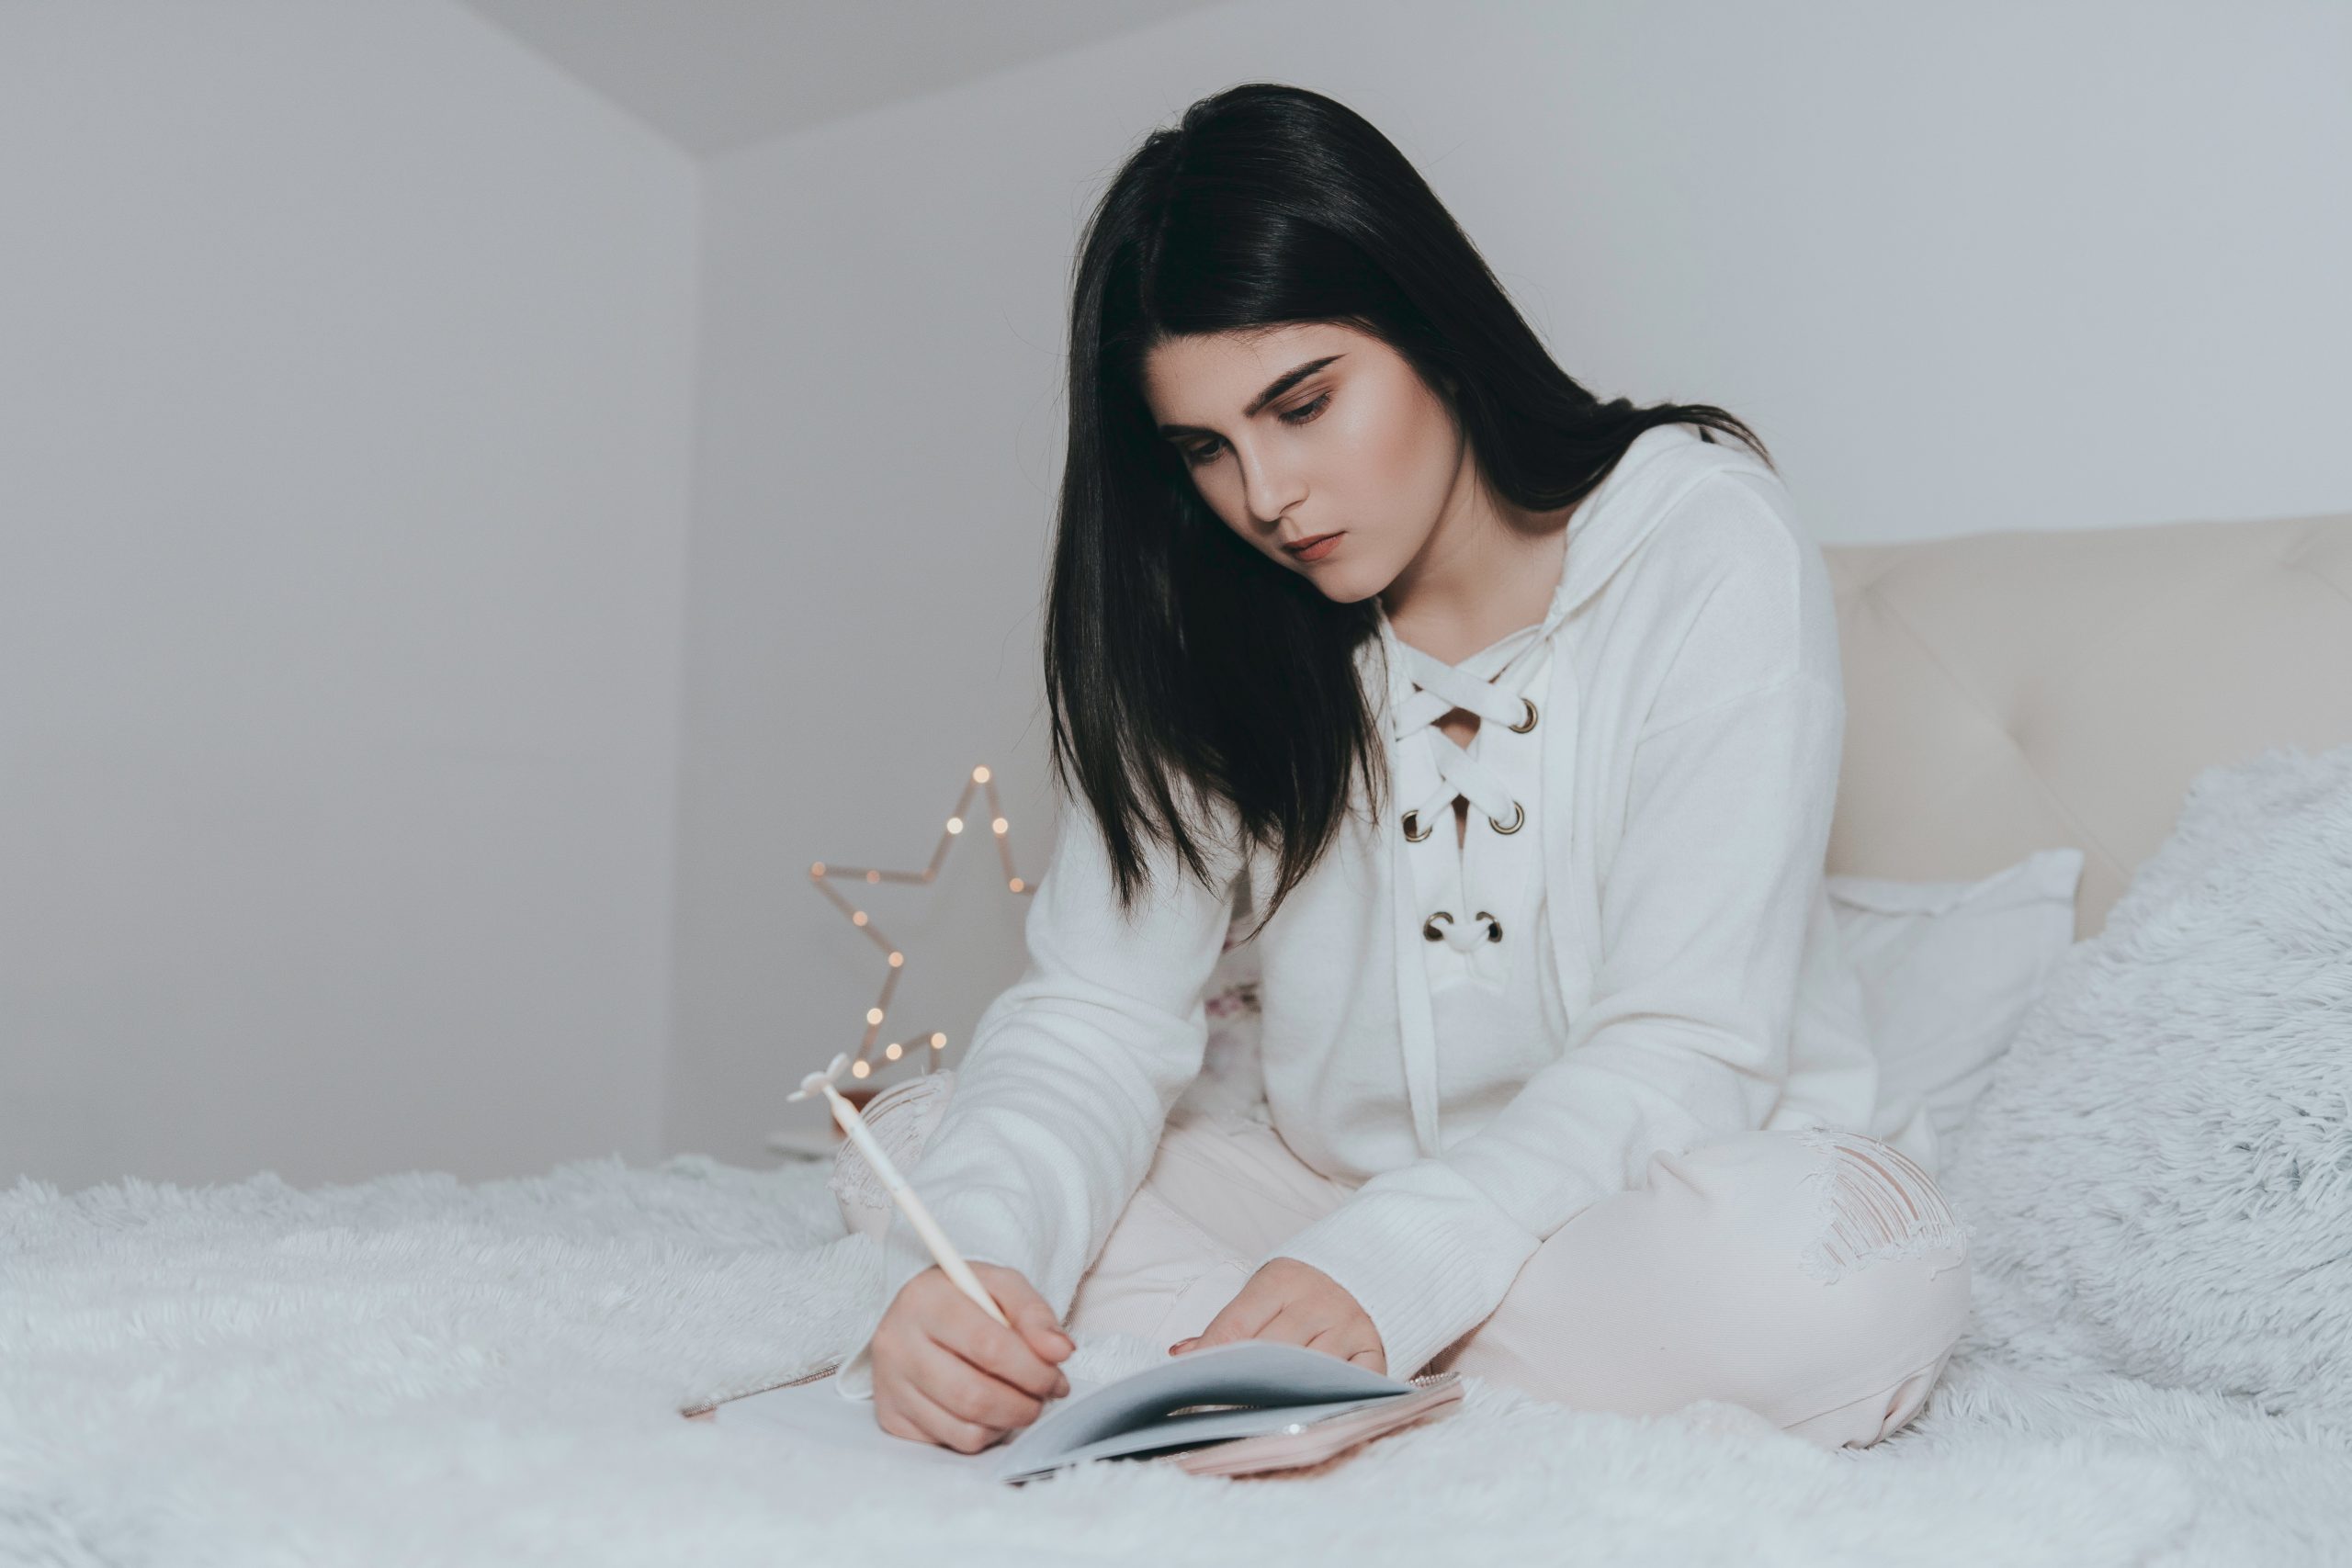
[[1274, 389]]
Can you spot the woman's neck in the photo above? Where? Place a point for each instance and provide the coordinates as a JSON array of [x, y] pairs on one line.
[[1482, 576]]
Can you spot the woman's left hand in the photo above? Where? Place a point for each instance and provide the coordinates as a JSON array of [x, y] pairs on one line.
[[1299, 1304]]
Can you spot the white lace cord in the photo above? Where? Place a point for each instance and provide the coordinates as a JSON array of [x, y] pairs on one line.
[[1464, 935], [1442, 688]]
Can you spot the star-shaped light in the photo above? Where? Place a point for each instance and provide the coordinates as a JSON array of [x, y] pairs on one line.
[[861, 1064]]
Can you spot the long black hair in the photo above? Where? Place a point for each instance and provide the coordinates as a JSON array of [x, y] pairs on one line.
[[1182, 666]]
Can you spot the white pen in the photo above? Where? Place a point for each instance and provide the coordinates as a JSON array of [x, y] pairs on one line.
[[911, 1206]]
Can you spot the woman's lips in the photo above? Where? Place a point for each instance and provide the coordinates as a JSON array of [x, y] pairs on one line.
[[1316, 548]]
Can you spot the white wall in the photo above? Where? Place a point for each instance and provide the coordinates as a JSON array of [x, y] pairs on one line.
[[356, 367], [346, 379], [1964, 268]]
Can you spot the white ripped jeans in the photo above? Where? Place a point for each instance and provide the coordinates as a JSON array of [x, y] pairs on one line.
[[1815, 1278]]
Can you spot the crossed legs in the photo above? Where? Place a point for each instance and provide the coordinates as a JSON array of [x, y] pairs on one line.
[[1815, 1278]]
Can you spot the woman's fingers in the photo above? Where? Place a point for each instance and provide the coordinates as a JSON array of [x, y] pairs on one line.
[[1295, 1303], [1032, 1318], [1001, 1353], [942, 1426], [970, 1393], [944, 1368], [1246, 1316], [1349, 1342], [1294, 1325]]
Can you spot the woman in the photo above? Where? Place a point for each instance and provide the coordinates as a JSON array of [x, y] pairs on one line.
[[1519, 714]]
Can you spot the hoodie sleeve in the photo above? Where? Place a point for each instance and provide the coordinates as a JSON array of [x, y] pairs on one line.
[[1704, 913], [1070, 1076]]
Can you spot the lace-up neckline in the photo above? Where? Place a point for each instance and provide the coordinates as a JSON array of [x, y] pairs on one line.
[[1470, 885]]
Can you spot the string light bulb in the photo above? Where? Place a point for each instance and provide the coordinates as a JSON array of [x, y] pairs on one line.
[[823, 874]]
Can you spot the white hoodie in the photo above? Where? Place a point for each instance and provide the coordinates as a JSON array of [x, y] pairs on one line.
[[1693, 714]]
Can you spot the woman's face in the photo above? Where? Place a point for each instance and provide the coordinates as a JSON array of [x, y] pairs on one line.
[[1357, 446]]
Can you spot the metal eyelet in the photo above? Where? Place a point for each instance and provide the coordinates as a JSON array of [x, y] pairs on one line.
[[1411, 837], [1524, 729], [1428, 927], [1494, 926], [1518, 820]]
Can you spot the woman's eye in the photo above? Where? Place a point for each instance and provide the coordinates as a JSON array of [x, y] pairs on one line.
[[1304, 413]]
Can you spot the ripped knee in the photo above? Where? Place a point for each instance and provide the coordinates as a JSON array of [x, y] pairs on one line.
[[1873, 1204]]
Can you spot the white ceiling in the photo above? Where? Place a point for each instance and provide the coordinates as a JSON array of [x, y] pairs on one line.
[[712, 76]]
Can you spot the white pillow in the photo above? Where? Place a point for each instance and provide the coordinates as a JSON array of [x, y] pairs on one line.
[[2160, 1173], [1947, 971]]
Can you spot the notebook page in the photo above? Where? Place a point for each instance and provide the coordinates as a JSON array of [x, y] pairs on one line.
[[1189, 1430], [1286, 1383], [1262, 1373]]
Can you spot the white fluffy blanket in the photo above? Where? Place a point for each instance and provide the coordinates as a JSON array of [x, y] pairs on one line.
[[411, 1370], [417, 1370]]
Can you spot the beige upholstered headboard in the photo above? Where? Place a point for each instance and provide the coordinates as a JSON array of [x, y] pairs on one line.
[[2017, 690]]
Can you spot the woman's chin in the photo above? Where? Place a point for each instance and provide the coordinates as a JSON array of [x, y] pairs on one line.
[[1342, 587]]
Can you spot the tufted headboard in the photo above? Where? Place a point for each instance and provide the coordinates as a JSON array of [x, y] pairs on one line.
[[2010, 692]]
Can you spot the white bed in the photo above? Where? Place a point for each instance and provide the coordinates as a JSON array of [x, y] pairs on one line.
[[416, 1370]]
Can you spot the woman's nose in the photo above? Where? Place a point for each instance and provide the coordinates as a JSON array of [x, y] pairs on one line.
[[1267, 493]]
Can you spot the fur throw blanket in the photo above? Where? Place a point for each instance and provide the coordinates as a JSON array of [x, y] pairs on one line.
[[416, 1370]]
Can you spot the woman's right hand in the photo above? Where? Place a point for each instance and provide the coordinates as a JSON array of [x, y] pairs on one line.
[[946, 1373]]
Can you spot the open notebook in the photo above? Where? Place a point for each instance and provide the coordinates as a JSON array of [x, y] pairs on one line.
[[1233, 1409]]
